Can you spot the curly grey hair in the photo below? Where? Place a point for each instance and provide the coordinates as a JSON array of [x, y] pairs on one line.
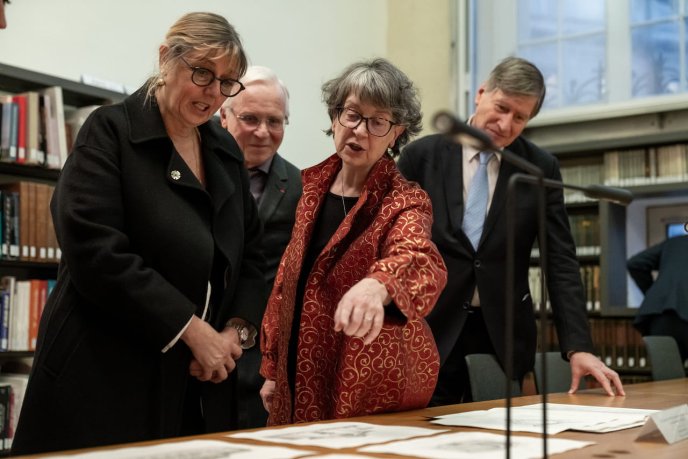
[[380, 83]]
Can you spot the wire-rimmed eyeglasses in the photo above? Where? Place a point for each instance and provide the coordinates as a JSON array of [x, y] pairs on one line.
[[377, 126], [272, 123], [201, 76]]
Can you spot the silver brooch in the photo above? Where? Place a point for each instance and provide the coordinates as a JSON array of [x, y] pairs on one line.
[[176, 175]]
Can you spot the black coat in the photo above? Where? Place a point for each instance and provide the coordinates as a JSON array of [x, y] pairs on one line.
[[436, 163], [140, 239], [277, 211]]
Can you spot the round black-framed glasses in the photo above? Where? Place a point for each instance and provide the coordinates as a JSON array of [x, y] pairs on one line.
[[200, 76], [376, 125]]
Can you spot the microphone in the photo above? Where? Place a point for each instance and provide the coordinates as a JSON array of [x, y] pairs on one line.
[[619, 196], [448, 124]]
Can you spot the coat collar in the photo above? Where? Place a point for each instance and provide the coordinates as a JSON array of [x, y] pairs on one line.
[[145, 124], [319, 178], [316, 184]]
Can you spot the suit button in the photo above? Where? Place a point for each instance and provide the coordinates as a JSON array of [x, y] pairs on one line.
[[476, 263]]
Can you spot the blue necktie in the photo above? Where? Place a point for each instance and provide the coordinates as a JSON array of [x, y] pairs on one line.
[[476, 202]]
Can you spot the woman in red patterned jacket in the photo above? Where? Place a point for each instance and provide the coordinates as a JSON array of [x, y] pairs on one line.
[[344, 331]]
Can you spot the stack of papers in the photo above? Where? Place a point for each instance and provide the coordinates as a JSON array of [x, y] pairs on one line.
[[337, 434], [475, 445], [560, 417]]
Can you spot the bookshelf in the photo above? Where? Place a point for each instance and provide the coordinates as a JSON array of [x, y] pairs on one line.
[[14, 80], [39, 179], [589, 147]]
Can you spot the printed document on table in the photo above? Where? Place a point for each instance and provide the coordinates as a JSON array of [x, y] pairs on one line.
[[560, 417], [197, 449], [475, 445], [337, 434]]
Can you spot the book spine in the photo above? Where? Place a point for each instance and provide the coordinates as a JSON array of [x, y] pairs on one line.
[[21, 128]]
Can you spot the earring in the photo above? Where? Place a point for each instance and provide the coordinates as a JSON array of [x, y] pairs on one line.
[[160, 82]]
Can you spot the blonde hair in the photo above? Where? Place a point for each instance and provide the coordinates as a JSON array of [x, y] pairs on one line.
[[208, 33]]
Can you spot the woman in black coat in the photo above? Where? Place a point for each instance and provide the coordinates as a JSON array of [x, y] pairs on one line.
[[160, 282]]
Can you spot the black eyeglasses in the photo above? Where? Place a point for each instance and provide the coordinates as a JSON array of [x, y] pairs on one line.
[[350, 118], [200, 76]]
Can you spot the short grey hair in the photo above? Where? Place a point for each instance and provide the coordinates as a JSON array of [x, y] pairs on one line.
[[517, 76], [379, 83], [259, 74]]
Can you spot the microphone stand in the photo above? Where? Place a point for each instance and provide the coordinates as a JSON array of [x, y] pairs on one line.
[[464, 134]]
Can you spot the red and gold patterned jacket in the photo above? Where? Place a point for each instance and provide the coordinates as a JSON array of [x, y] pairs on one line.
[[386, 236]]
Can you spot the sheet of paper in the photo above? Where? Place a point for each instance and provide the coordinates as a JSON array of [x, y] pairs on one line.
[[197, 449], [560, 417], [475, 445], [343, 456], [337, 434]]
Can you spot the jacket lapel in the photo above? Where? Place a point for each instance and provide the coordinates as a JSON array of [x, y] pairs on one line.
[[506, 170], [450, 169], [275, 188]]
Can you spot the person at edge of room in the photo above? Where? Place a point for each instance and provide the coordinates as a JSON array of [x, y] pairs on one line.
[[3, 18], [664, 310], [344, 331], [160, 284], [469, 316], [256, 118]]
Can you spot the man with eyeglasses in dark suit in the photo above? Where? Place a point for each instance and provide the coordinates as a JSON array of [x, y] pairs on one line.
[[256, 118]]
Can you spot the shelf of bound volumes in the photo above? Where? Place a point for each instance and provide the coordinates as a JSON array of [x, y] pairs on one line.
[[40, 115], [617, 343], [632, 167], [26, 228]]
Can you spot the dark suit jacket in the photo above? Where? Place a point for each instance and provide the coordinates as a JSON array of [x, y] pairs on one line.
[[436, 163], [141, 239], [670, 290], [277, 211]]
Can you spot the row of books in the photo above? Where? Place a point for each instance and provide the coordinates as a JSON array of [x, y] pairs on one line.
[[21, 305], [26, 227], [32, 128], [585, 229], [590, 275], [616, 342], [12, 390], [582, 175], [37, 129], [632, 167], [646, 166]]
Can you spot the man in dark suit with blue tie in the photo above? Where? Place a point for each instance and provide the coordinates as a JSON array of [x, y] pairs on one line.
[[256, 118], [468, 191], [664, 310]]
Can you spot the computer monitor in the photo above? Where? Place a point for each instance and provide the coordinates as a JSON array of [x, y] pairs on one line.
[[676, 229]]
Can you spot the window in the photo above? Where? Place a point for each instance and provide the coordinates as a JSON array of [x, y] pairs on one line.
[[591, 52]]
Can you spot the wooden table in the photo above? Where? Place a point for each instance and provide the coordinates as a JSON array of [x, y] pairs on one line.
[[620, 444]]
